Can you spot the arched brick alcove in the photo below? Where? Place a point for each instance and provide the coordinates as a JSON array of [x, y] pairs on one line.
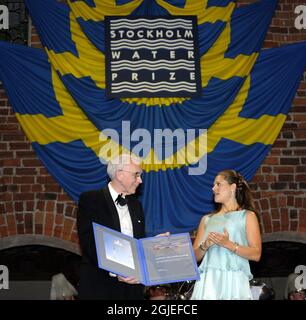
[[33, 206], [282, 253], [32, 261], [24, 240]]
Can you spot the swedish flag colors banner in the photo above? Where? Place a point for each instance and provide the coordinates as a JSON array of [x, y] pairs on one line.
[[60, 98]]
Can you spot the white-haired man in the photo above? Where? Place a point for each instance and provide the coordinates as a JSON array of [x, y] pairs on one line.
[[114, 208]]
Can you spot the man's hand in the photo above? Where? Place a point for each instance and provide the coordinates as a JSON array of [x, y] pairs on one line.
[[165, 234], [129, 280]]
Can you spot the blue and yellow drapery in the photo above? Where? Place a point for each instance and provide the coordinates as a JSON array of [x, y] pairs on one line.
[[58, 96]]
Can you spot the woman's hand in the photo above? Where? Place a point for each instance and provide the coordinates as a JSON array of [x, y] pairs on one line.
[[207, 243], [220, 239]]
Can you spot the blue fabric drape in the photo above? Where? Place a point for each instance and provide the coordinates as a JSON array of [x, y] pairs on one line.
[[59, 99]]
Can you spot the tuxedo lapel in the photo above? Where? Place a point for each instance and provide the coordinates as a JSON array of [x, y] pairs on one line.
[[135, 214], [112, 209], [136, 219]]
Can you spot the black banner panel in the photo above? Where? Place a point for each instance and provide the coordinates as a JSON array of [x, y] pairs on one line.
[[152, 57]]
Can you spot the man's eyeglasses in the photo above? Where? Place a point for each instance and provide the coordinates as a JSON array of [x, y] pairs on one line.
[[136, 174]]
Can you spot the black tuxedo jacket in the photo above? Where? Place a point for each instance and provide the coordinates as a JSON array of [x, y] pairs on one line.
[[95, 283]]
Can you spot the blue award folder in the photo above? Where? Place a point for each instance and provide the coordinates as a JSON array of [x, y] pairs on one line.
[[153, 261]]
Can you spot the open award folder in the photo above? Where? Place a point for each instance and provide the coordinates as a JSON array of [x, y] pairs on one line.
[[152, 261]]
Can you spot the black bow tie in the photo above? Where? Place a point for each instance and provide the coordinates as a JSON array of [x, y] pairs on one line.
[[121, 201]]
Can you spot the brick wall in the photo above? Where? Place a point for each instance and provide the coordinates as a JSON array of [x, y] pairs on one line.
[[280, 183], [32, 203]]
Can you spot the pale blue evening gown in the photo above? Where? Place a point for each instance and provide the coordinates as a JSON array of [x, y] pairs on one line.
[[223, 274]]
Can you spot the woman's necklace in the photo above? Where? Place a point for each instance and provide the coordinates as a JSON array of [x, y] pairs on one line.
[[230, 210]]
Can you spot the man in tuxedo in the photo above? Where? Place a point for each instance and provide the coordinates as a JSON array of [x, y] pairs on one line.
[[116, 208]]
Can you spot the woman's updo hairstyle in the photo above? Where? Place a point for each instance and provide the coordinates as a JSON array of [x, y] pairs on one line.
[[243, 192]]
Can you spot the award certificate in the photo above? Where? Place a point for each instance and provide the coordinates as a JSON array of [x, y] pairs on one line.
[[152, 261]]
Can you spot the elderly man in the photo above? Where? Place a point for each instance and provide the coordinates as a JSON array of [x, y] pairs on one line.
[[114, 208]]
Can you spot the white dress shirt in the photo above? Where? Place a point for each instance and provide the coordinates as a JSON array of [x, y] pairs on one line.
[[123, 212]]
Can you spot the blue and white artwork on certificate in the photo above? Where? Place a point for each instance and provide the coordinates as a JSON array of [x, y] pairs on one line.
[[119, 250]]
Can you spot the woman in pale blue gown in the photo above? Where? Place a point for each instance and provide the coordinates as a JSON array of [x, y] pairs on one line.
[[226, 240]]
